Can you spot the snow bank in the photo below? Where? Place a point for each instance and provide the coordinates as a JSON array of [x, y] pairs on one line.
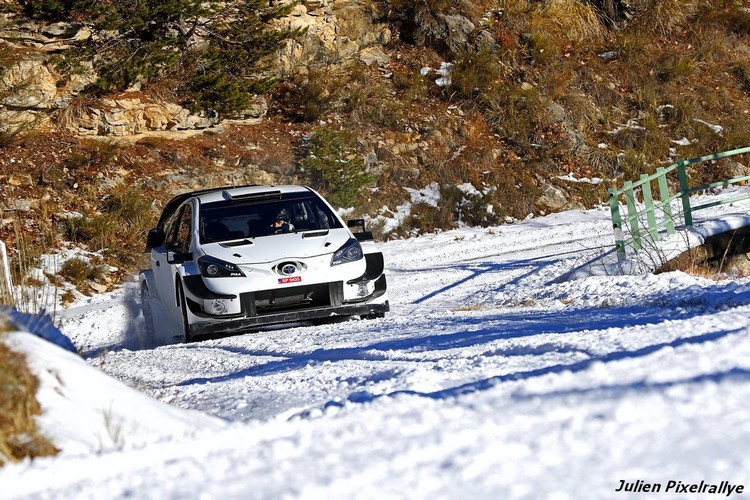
[[86, 411], [40, 325]]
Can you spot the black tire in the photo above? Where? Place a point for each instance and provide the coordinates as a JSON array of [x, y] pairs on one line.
[[186, 337], [373, 316], [148, 314]]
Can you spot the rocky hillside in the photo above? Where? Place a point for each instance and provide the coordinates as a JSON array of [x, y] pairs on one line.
[[498, 107]]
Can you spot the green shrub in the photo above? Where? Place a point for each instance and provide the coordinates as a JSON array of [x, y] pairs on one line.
[[332, 166], [56, 10], [455, 207], [425, 218], [472, 208]]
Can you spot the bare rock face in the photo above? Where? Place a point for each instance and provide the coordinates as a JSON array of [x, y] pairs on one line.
[[47, 38], [12, 121], [430, 29], [459, 29], [316, 4], [338, 32], [448, 34], [31, 87], [35, 83], [31, 90], [552, 198], [29, 84], [129, 116]]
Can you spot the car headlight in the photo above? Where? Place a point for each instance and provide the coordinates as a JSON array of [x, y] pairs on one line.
[[350, 252], [211, 267]]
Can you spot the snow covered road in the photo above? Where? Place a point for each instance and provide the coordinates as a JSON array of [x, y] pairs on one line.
[[490, 378]]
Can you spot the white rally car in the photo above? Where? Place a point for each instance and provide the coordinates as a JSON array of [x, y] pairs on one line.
[[226, 260]]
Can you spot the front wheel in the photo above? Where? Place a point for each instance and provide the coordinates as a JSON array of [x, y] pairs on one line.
[[148, 313], [373, 316], [185, 330]]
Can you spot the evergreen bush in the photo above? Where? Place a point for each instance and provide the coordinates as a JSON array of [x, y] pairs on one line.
[[334, 167]]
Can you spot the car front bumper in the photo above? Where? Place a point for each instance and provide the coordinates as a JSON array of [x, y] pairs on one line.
[[301, 303], [240, 325]]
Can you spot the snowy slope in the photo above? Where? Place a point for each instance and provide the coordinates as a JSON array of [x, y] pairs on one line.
[[93, 412], [490, 378]]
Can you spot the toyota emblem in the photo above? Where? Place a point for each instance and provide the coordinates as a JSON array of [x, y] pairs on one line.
[[288, 269]]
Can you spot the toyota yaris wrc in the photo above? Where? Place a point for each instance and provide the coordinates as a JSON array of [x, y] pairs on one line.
[[229, 259]]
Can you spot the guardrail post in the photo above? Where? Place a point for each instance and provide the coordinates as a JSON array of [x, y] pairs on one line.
[[648, 200], [684, 192], [6, 284], [614, 208], [665, 205], [632, 214]]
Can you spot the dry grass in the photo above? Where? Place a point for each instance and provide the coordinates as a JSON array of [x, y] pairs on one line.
[[19, 436], [78, 109], [694, 262], [369, 100], [82, 272], [476, 72], [25, 257], [117, 227], [666, 17], [560, 25], [469, 308], [709, 172], [306, 97]]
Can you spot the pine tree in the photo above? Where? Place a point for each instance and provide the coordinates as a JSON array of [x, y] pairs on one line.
[[218, 50]]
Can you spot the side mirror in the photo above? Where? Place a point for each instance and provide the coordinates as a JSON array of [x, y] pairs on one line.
[[357, 227], [155, 239], [178, 257]]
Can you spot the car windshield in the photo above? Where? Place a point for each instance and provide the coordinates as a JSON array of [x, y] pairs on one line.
[[225, 221]]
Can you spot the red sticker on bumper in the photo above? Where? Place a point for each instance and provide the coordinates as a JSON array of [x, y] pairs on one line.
[[293, 279]]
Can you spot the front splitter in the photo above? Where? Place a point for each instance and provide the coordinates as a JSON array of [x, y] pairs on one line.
[[237, 326]]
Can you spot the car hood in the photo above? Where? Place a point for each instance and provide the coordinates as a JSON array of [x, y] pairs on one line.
[[277, 247]]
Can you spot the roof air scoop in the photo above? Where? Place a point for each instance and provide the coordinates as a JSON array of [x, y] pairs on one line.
[[239, 197]]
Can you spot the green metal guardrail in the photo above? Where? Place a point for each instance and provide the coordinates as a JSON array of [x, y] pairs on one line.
[[664, 204]]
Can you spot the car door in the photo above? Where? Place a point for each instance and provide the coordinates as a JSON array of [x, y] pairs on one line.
[[178, 240]]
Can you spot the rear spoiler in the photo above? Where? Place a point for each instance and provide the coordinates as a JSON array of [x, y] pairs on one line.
[[360, 234]]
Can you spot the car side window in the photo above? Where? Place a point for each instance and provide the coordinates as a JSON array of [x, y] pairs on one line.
[[170, 228], [178, 230], [184, 229]]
